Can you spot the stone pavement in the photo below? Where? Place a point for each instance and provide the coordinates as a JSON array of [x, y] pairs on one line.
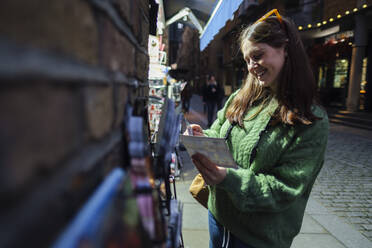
[[344, 185], [339, 210]]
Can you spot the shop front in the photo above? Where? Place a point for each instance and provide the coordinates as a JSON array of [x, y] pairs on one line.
[[331, 58]]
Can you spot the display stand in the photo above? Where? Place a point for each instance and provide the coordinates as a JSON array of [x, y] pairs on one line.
[[134, 206]]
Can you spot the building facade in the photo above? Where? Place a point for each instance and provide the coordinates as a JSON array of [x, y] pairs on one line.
[[336, 36]]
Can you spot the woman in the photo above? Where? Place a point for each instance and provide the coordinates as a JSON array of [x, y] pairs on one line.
[[277, 135], [210, 97]]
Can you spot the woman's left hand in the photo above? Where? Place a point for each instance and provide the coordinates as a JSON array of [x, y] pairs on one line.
[[212, 173]]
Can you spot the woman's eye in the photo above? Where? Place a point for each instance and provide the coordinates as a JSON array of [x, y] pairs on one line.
[[256, 57]]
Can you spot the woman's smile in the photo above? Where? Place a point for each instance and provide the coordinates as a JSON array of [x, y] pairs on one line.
[[264, 62]]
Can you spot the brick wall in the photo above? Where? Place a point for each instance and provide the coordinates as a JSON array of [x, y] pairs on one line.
[[67, 70]]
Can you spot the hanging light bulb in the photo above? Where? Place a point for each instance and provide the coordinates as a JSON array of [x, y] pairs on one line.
[[338, 16], [318, 24], [331, 19], [309, 25], [300, 27], [364, 6], [347, 12], [324, 22], [355, 9]]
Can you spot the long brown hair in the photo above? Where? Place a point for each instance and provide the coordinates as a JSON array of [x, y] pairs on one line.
[[295, 89]]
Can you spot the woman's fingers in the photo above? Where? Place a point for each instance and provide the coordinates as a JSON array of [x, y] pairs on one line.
[[197, 130], [196, 127], [204, 160], [211, 173], [205, 174]]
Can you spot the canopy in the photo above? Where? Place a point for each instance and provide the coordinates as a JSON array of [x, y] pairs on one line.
[[223, 11]]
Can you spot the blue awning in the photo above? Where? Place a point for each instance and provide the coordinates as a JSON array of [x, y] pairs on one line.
[[223, 11]]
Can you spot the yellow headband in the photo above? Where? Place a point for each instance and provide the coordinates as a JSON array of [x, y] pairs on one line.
[[271, 12]]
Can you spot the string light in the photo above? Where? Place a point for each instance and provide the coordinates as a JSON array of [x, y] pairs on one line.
[[347, 12]]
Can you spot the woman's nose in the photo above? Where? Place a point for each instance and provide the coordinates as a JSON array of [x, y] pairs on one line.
[[252, 65]]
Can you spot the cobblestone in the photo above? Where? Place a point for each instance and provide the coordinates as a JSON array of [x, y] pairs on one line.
[[358, 220], [344, 183], [339, 205], [356, 205], [337, 209], [367, 227], [367, 233], [356, 214]]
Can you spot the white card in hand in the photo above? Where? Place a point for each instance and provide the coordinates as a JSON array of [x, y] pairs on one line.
[[214, 148]]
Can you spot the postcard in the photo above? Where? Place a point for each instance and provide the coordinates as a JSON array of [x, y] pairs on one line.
[[214, 148]]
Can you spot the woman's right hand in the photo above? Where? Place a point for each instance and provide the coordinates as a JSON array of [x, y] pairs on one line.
[[196, 129]]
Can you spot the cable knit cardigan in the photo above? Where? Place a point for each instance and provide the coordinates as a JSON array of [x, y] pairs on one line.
[[263, 201]]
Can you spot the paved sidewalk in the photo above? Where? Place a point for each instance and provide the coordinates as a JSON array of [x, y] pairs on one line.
[[321, 228]]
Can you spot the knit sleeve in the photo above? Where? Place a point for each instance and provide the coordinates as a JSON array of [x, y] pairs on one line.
[[214, 130], [290, 178]]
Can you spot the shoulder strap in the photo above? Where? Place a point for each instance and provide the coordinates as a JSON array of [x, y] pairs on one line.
[[229, 130]]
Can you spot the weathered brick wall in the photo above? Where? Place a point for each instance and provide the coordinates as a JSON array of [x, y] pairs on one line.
[[67, 70]]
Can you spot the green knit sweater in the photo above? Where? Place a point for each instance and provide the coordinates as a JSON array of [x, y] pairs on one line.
[[263, 202]]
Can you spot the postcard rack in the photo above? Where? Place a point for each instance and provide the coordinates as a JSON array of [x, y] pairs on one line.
[[135, 205]]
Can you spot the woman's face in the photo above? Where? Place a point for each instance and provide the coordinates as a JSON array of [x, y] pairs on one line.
[[264, 62]]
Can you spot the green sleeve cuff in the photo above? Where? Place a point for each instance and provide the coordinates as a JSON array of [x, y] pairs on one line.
[[210, 133]]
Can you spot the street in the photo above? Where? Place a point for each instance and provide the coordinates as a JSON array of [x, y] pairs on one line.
[[344, 185]]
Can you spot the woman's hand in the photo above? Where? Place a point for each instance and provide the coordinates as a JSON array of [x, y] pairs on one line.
[[212, 173], [196, 129]]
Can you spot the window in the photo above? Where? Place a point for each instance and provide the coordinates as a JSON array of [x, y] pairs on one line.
[[363, 82], [322, 76], [341, 70]]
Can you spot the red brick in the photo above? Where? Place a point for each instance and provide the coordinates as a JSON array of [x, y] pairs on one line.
[[145, 27], [40, 126], [117, 52], [64, 26], [142, 66], [124, 8], [137, 19], [144, 4], [98, 111], [121, 100]]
